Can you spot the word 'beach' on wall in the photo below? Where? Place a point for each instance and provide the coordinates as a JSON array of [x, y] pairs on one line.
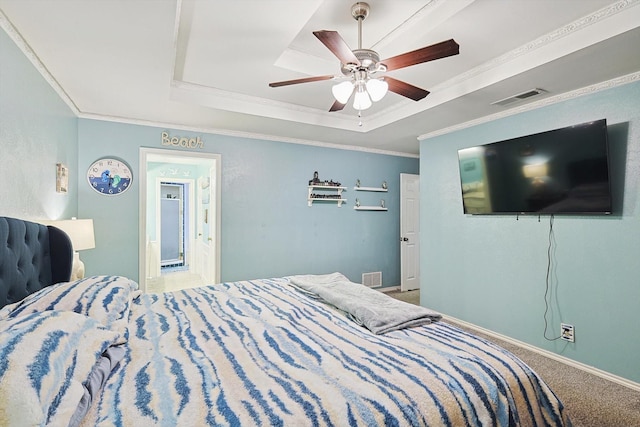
[[184, 142]]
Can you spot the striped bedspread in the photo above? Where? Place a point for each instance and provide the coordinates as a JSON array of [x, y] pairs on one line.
[[260, 353]]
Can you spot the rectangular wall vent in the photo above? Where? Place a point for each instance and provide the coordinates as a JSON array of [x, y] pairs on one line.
[[373, 279], [519, 97]]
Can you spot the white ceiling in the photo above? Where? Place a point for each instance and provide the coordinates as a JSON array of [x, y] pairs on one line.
[[206, 64]]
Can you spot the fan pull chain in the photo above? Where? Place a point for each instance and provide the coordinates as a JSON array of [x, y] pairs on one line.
[[360, 118]]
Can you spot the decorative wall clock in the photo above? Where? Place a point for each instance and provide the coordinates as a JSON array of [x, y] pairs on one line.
[[109, 176]]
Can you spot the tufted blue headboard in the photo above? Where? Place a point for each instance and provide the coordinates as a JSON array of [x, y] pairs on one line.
[[32, 256]]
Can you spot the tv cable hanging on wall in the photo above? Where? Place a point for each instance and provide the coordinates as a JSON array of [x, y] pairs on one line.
[[548, 279]]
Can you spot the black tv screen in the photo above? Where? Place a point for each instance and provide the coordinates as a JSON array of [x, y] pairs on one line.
[[561, 171]]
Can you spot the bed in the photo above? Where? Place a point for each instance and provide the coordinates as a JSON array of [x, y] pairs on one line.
[[98, 352]]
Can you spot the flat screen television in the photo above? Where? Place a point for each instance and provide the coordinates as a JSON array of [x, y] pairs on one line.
[[561, 171]]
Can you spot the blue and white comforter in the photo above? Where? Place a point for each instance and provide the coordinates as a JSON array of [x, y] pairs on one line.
[[261, 353], [246, 354]]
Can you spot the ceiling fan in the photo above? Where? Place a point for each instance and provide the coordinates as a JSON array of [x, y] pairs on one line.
[[361, 65]]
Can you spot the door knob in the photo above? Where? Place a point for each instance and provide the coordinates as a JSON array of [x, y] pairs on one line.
[[404, 239]]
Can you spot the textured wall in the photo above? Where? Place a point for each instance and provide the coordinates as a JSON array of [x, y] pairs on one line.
[[37, 130], [267, 228], [491, 270]]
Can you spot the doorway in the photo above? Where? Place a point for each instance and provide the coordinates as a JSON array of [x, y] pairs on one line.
[[179, 219]]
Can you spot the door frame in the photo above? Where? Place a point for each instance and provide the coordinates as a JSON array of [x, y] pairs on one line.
[[206, 160]]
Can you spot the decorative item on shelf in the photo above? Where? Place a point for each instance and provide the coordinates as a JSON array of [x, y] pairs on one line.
[[80, 231], [327, 191], [382, 203], [317, 182], [357, 203], [384, 185], [325, 196], [357, 183]]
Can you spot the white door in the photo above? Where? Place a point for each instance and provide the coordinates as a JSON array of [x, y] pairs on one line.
[[205, 232], [409, 231]]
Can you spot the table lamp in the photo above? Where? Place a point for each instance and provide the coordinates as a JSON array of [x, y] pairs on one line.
[[80, 231]]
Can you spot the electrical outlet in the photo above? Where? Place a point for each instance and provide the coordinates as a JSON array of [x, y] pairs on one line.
[[567, 332]]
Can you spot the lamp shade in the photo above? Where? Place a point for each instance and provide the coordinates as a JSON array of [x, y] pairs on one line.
[[377, 89], [361, 101], [342, 91], [80, 231]]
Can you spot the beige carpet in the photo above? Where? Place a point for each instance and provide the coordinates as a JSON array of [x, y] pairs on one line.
[[412, 297], [591, 401]]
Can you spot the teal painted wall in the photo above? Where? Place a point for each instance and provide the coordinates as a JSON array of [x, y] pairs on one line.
[[267, 228], [490, 270], [37, 130]]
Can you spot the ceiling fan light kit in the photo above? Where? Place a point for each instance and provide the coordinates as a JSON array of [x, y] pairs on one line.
[[342, 91], [361, 101], [361, 65], [377, 89], [367, 90]]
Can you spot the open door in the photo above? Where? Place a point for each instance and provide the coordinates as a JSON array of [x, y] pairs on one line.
[[409, 231], [205, 236]]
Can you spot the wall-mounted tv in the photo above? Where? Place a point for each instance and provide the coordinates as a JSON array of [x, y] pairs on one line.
[[561, 171]]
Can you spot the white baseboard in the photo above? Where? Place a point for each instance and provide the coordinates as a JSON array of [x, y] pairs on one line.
[[562, 359], [389, 289]]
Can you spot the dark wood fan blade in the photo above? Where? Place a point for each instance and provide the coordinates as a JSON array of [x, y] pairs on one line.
[[336, 44], [304, 80], [337, 106], [425, 54], [405, 89]]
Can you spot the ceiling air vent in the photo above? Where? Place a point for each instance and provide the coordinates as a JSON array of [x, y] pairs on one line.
[[519, 97]]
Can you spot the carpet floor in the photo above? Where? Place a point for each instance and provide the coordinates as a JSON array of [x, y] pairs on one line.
[[591, 401]]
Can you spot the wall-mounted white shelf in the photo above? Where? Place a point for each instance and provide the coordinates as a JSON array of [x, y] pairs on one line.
[[335, 197], [369, 208], [370, 189], [382, 188], [380, 207]]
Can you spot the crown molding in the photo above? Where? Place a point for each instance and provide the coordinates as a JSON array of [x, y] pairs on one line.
[[21, 43], [620, 81], [247, 135], [549, 38]]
